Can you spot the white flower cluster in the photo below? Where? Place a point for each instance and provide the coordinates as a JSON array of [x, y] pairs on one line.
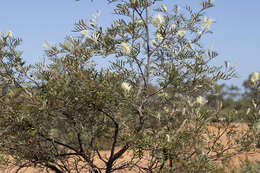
[[10, 34], [255, 77], [158, 20], [201, 100], [126, 48], [126, 87]]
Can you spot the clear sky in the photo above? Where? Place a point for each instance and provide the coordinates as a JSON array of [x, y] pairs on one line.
[[236, 31]]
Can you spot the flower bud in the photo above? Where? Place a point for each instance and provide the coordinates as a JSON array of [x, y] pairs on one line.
[[154, 42], [174, 52], [10, 34], [164, 7], [208, 24], [116, 23], [84, 32], [45, 46], [173, 27]]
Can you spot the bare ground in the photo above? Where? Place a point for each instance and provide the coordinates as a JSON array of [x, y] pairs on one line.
[[236, 161]]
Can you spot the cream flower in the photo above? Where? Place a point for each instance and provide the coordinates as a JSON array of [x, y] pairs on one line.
[[140, 21], [126, 87], [174, 52], [67, 44], [248, 111], [168, 137], [110, 71], [45, 46], [255, 77], [190, 44], [116, 23], [159, 116], [181, 33], [159, 36], [205, 20], [166, 109], [208, 24], [173, 27], [158, 20], [164, 94], [154, 42], [126, 48], [164, 7], [201, 100], [10, 34], [84, 32]]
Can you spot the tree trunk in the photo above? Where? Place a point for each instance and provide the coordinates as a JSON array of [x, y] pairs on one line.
[[109, 167]]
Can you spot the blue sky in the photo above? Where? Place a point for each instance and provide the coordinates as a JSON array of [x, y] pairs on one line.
[[236, 31]]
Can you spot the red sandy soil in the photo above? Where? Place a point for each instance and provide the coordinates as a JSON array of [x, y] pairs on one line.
[[253, 155]]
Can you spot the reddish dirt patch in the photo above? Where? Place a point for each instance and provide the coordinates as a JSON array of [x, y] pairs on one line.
[[252, 155], [237, 160]]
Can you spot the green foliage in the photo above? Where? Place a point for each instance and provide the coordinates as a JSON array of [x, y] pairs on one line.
[[148, 101]]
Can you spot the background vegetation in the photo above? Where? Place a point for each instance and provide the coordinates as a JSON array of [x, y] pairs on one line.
[[156, 101]]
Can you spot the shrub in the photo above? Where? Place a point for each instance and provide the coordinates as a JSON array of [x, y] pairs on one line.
[[147, 103]]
